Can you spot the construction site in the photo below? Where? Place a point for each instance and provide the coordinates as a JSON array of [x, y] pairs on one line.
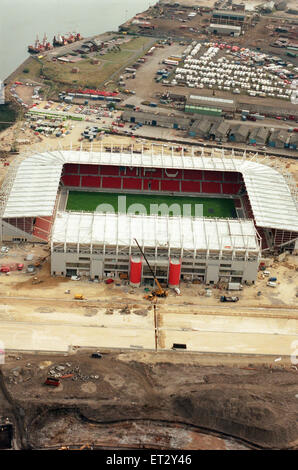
[[148, 244]]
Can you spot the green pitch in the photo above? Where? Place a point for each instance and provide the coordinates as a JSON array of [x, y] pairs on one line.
[[151, 204]]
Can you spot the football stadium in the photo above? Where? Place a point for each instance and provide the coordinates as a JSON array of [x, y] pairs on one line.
[[206, 217]]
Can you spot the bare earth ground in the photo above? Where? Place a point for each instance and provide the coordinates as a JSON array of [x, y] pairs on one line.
[[138, 400]]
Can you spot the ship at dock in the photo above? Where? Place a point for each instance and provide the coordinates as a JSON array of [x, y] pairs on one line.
[[64, 40], [58, 40], [39, 47]]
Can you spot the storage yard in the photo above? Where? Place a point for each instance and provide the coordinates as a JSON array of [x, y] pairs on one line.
[[149, 234]]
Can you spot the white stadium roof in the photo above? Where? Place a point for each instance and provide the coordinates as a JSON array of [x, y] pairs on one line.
[[171, 232], [34, 186]]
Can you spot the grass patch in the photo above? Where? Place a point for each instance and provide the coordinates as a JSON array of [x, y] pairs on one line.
[[96, 74], [33, 67], [212, 207], [136, 44]]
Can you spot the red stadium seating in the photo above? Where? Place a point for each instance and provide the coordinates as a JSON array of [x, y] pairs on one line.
[[113, 183], [89, 169], [211, 187], [155, 173], [168, 185], [109, 170], [232, 176], [230, 188], [91, 181], [126, 171], [196, 181], [195, 175], [71, 180], [71, 168], [40, 234], [132, 183], [212, 175], [42, 224], [176, 174], [154, 185], [191, 186], [42, 227]]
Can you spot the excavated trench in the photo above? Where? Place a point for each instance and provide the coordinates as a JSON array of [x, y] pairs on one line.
[[65, 427]]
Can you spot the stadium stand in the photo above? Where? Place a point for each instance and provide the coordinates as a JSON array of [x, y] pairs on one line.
[[42, 227], [110, 177], [91, 181]]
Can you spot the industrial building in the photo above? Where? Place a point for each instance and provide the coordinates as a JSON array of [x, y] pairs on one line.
[[152, 119], [235, 18], [239, 133], [200, 128], [219, 131], [259, 135], [279, 139], [226, 105], [203, 110], [224, 29], [293, 144]]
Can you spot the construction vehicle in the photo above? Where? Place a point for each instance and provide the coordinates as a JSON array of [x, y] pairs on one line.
[[159, 292], [79, 297], [52, 381]]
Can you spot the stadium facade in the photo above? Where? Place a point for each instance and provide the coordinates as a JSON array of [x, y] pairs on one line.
[[34, 196]]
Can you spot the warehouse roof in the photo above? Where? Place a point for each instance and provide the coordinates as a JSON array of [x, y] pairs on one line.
[[188, 233], [225, 27], [220, 128], [212, 101], [32, 185], [228, 13], [240, 129], [260, 132]]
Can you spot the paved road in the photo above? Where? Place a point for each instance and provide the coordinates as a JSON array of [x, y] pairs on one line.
[[221, 333]]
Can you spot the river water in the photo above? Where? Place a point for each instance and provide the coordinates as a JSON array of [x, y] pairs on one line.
[[22, 20]]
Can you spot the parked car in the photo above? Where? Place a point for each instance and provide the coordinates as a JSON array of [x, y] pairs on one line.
[[96, 355], [271, 284], [224, 298], [4, 269]]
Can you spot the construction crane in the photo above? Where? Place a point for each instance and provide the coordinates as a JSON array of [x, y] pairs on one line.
[[159, 292]]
